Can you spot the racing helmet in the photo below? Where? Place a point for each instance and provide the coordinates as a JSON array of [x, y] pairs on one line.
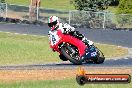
[[53, 22]]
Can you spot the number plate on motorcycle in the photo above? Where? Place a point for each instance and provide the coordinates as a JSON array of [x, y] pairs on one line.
[[93, 54]]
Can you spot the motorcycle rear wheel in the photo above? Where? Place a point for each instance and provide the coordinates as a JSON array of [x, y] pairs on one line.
[[66, 51]]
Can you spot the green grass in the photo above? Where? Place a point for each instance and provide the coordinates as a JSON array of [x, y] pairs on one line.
[[112, 9], [19, 2], [112, 50], [67, 83], [27, 49], [20, 49], [56, 4]]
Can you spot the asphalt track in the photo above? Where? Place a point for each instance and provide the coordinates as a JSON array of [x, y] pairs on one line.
[[120, 38]]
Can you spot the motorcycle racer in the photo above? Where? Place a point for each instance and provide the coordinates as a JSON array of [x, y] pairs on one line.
[[71, 44], [54, 24]]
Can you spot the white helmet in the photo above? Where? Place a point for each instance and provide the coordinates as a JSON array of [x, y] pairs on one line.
[[53, 22]]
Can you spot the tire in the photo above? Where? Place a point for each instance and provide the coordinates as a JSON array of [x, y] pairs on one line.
[[62, 57], [71, 59], [100, 57], [99, 60]]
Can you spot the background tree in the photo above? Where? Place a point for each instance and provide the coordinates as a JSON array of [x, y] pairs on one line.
[[125, 6], [123, 13], [114, 2], [91, 5], [2, 1]]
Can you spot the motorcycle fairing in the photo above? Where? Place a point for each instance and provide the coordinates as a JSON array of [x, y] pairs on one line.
[[90, 53], [54, 38], [66, 38]]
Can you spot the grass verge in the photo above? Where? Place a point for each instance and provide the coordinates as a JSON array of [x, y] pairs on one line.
[[55, 78], [25, 49], [28, 49], [112, 9], [67, 83], [112, 50], [56, 4]]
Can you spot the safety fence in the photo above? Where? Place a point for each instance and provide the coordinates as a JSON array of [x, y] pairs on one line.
[[32, 14], [82, 19], [3, 10], [100, 19]]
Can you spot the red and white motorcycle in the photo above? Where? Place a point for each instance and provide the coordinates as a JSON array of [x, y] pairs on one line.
[[73, 49]]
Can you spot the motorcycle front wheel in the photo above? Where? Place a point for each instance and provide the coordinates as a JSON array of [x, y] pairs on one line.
[[100, 57], [71, 53]]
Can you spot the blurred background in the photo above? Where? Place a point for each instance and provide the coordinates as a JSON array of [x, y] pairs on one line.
[[102, 14]]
